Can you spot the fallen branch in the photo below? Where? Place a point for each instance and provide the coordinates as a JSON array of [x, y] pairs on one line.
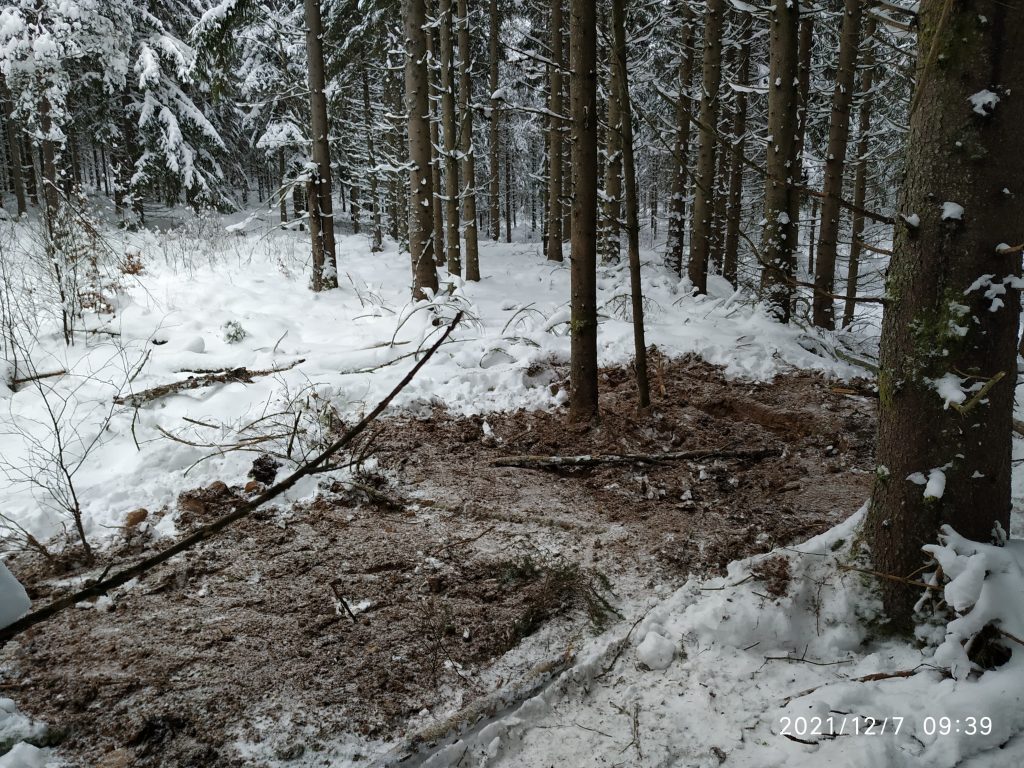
[[874, 676], [227, 376], [37, 377], [243, 509], [891, 577], [590, 460]]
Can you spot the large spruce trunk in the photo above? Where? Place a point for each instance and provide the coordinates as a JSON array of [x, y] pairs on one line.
[[954, 306]]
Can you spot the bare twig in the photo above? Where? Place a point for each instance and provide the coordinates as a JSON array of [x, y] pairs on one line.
[[554, 462]]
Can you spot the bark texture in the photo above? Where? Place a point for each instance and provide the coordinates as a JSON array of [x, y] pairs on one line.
[[453, 245], [554, 244], [952, 285], [466, 146]]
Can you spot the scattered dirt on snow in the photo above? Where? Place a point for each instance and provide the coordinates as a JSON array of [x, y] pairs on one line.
[[240, 651]]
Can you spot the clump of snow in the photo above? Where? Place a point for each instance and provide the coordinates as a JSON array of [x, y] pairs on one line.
[[952, 211], [936, 485], [950, 389], [14, 601], [983, 102], [913, 220], [656, 651], [16, 730]]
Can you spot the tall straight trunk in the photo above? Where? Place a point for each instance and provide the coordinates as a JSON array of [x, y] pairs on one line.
[[466, 146], [13, 135], [453, 251], [778, 246], [29, 168], [835, 164], [51, 193], [326, 275], [613, 165], [860, 179], [803, 95], [377, 235], [681, 150], [703, 203], [734, 212], [583, 405], [493, 181], [433, 103], [508, 188], [554, 244], [621, 78], [954, 302], [421, 242]]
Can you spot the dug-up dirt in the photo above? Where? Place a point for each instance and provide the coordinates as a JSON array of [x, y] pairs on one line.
[[386, 605]]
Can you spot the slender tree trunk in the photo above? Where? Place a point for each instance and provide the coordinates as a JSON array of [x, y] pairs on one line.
[[835, 164], [860, 179], [613, 165], [554, 244], [779, 241], [508, 188], [583, 402], [377, 235], [621, 78], [466, 146], [421, 245], [453, 250], [734, 212], [681, 150], [13, 131], [327, 275], [954, 299], [493, 50], [703, 203], [799, 171], [51, 194], [433, 103]]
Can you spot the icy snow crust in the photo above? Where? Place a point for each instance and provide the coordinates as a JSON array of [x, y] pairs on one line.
[[197, 279]]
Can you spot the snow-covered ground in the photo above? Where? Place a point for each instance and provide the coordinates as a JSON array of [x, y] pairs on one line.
[[717, 672]]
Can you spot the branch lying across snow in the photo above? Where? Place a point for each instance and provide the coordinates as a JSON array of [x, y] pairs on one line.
[[590, 460], [226, 376], [242, 510]]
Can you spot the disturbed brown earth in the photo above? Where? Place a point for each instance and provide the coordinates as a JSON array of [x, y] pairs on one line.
[[387, 603]]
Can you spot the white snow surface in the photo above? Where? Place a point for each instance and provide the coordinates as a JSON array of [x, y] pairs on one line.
[[14, 602], [170, 320]]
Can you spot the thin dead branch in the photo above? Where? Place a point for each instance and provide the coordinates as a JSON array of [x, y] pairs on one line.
[[561, 462], [229, 376]]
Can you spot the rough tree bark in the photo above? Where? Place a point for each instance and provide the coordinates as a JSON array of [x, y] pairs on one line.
[[325, 275], [453, 244], [433, 104], [779, 240], [799, 172], [466, 146], [583, 405], [734, 212], [621, 79], [421, 245], [494, 183], [13, 136], [860, 178], [554, 243], [954, 300], [613, 165], [835, 164], [703, 200], [681, 150], [377, 234]]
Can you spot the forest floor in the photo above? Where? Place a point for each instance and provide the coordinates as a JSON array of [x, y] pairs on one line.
[[457, 576]]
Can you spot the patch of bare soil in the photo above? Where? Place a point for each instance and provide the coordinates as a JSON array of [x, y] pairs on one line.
[[388, 603]]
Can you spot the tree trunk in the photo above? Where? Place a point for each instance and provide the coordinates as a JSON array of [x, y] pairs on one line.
[[703, 203], [466, 146], [860, 179], [779, 240], [835, 164], [954, 299], [583, 406], [281, 175], [621, 78], [51, 194], [453, 251], [421, 245], [494, 182], [433, 105], [508, 188], [327, 276], [734, 212], [803, 94], [681, 150], [554, 244], [377, 235], [613, 164], [13, 131]]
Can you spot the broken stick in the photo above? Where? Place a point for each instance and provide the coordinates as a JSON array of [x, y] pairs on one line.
[[243, 509], [227, 376], [590, 460]]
